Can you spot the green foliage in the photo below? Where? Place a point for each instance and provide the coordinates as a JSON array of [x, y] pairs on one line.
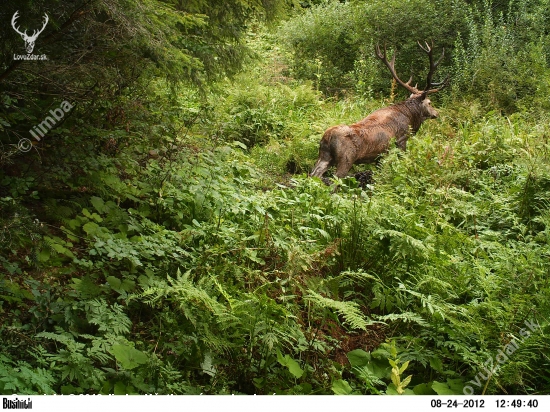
[[321, 43], [349, 311], [333, 43], [497, 53], [168, 241], [254, 113], [504, 57], [21, 377], [382, 368]]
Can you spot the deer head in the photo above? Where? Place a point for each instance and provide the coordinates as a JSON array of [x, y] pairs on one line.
[[415, 92], [29, 40]]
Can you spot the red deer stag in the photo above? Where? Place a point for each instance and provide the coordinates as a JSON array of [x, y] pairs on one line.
[[362, 142]]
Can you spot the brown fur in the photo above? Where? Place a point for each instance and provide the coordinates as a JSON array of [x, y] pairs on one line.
[[362, 142]]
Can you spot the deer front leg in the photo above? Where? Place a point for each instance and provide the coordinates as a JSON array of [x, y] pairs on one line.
[[401, 142]]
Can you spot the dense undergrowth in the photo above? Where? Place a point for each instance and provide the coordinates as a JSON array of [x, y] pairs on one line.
[[188, 252]]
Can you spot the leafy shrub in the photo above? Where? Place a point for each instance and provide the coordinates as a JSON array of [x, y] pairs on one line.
[[495, 52], [253, 113], [333, 43], [498, 62], [321, 41]]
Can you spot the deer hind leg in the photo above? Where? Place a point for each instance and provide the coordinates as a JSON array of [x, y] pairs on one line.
[[324, 162], [344, 165], [320, 167]]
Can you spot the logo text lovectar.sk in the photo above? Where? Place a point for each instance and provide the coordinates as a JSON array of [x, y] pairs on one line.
[[29, 39]]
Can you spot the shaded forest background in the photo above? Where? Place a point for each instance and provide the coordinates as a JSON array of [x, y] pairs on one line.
[[163, 236]]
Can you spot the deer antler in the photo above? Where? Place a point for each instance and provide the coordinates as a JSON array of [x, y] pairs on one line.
[[24, 34], [13, 19], [37, 32], [391, 66], [433, 66]]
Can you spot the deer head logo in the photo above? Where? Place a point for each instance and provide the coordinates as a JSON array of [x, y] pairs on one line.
[[29, 40]]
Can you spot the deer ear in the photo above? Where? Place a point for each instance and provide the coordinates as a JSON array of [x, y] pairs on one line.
[[423, 95]]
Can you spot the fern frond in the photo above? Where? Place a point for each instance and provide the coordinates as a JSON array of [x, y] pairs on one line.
[[407, 317], [350, 311], [187, 292], [109, 318]]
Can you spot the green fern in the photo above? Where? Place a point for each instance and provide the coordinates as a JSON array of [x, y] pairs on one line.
[[350, 311], [22, 378]]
